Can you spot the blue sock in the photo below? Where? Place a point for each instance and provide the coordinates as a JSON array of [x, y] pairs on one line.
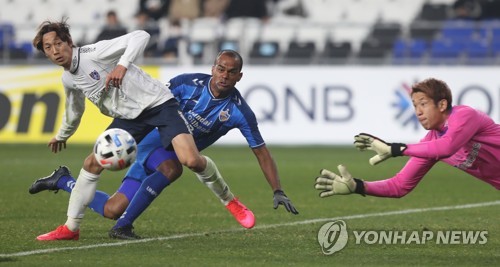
[[66, 183], [98, 202], [150, 188]]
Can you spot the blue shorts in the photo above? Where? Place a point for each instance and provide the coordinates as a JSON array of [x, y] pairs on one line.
[[129, 187], [150, 154], [166, 117]]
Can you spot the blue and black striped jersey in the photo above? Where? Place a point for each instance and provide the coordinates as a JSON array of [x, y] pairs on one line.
[[210, 118]]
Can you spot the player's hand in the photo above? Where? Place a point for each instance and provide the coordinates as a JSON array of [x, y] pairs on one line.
[[281, 199], [56, 145], [332, 184], [115, 77], [383, 149]]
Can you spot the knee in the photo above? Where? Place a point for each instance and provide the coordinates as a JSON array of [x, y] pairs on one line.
[[196, 164], [112, 211], [171, 169], [91, 165]]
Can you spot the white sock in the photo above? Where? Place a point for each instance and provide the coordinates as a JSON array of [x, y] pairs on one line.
[[214, 181], [80, 197]]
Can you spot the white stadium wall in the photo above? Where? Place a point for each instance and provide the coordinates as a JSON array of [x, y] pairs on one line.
[[294, 105], [329, 105]]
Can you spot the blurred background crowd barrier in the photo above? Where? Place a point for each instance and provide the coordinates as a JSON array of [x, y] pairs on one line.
[[276, 32]]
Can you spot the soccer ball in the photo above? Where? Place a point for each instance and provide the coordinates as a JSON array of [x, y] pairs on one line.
[[115, 149]]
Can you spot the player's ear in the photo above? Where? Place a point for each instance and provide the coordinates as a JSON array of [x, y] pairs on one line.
[[239, 78], [443, 103]]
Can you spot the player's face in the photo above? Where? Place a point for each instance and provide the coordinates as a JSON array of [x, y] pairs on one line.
[[430, 116], [225, 74], [56, 50]]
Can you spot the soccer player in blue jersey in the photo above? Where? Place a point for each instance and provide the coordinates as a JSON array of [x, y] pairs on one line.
[[212, 106]]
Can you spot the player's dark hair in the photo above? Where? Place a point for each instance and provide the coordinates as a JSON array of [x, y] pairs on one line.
[[231, 53], [61, 29], [435, 89]]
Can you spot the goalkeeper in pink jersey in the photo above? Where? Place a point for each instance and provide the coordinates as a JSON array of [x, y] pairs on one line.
[[459, 136]]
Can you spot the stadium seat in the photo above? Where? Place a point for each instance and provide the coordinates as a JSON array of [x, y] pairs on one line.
[[445, 51], [423, 30], [495, 48], [245, 31], [17, 51], [434, 12], [373, 51], [458, 30], [354, 34], [337, 49], [229, 45], [321, 11], [281, 34], [263, 52], [336, 52], [400, 49], [315, 33], [400, 11], [386, 33], [204, 30], [300, 52], [390, 30], [196, 49], [409, 51], [477, 51], [7, 33]]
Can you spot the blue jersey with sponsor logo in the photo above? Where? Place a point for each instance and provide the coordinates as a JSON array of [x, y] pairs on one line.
[[207, 117], [210, 118]]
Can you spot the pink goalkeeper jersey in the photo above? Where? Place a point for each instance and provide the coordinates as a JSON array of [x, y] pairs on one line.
[[469, 140]]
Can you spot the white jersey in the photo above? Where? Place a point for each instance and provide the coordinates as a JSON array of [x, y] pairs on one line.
[[87, 75]]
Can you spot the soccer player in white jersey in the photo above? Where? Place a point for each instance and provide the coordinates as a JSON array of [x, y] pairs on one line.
[[459, 136], [104, 73], [212, 99]]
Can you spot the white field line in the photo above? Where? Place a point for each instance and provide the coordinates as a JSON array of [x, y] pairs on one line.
[[188, 235]]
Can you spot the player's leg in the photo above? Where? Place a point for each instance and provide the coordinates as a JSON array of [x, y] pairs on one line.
[[85, 187], [59, 179], [107, 206], [166, 169], [136, 174], [81, 195], [207, 172], [119, 201]]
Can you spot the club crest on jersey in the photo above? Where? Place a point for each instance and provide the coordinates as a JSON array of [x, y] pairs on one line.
[[224, 115], [74, 61], [95, 75]]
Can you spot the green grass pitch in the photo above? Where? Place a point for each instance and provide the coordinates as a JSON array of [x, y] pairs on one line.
[[187, 225]]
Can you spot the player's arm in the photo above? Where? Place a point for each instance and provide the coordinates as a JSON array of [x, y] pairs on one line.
[[461, 127], [343, 183], [73, 112], [126, 48], [270, 170]]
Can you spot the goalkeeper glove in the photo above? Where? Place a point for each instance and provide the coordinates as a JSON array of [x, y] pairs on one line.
[[280, 198], [384, 150], [343, 184]]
